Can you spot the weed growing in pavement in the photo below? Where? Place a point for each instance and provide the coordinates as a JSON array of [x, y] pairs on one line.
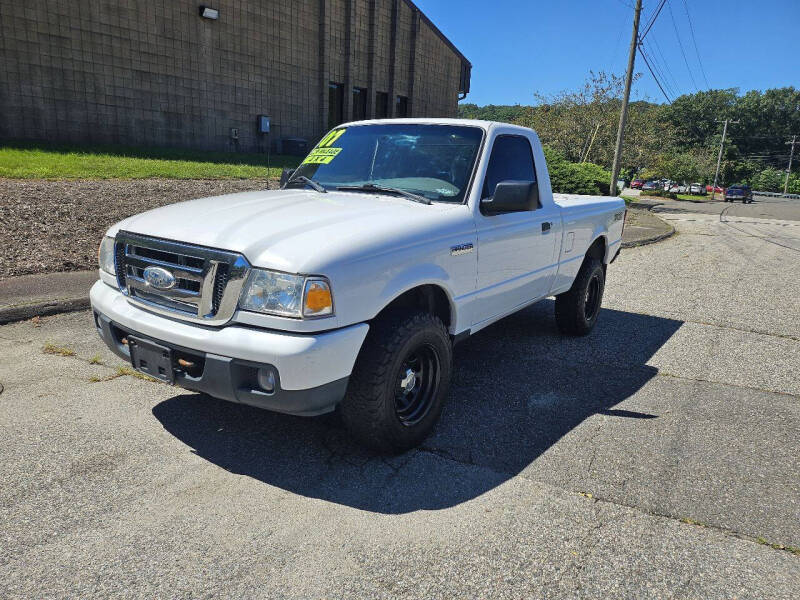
[[50, 348], [792, 549], [134, 373], [96, 360], [122, 372]]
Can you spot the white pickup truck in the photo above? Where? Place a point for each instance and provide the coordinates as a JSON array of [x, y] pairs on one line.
[[348, 287]]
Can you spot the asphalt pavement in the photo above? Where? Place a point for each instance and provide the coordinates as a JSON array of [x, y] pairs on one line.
[[655, 458]]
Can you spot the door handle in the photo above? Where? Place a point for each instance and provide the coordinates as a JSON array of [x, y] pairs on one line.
[[546, 226]]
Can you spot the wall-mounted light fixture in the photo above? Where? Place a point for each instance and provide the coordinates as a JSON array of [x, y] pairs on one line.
[[209, 13]]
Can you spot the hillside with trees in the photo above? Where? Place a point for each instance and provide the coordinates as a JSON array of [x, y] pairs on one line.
[[679, 141]]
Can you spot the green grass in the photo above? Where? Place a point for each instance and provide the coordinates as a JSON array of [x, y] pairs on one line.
[[50, 161], [692, 197]]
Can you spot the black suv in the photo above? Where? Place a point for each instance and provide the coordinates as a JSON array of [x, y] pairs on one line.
[[739, 192]]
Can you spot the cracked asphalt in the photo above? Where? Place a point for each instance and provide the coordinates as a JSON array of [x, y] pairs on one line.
[[656, 458]]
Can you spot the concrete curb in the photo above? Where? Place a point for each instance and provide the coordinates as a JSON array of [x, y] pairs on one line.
[[654, 238], [41, 309]]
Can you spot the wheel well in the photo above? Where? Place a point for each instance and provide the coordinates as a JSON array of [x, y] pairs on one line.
[[597, 249], [429, 298]]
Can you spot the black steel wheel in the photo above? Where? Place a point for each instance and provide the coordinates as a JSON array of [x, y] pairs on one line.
[[417, 382], [578, 309], [594, 294], [399, 382]]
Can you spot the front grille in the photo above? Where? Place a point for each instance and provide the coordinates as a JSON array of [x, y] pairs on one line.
[[119, 264], [206, 285], [219, 287]]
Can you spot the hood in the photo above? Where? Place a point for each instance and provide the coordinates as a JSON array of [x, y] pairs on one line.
[[298, 231]]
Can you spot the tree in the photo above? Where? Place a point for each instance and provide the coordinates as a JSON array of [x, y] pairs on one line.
[[678, 140], [768, 180]]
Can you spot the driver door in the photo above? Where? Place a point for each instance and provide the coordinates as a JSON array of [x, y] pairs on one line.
[[515, 250]]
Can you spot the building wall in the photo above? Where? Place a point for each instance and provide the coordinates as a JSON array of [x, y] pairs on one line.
[[152, 72]]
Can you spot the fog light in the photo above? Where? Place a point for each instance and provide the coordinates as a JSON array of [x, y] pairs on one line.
[[266, 380]]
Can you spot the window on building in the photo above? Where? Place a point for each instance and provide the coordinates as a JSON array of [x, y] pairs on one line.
[[359, 104], [511, 159], [335, 104], [402, 107], [381, 105]]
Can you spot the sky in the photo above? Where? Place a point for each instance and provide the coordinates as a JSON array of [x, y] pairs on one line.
[[518, 48]]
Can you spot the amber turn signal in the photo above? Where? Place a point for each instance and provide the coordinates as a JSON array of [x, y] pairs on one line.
[[318, 299]]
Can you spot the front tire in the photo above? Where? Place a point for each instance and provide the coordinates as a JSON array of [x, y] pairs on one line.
[[578, 309], [399, 382]]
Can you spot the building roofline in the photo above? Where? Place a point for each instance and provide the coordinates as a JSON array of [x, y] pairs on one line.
[[438, 32]]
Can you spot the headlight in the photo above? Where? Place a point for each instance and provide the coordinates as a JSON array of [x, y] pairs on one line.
[[287, 295], [105, 255]]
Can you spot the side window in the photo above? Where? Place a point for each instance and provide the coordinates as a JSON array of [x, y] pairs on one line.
[[511, 158]]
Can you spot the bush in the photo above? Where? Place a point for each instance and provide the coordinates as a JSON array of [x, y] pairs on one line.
[[794, 184], [576, 178], [768, 180]]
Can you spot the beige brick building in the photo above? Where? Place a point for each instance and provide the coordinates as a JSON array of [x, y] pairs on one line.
[[158, 72]]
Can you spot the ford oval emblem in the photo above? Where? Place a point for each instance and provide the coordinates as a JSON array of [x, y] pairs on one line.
[[159, 278]]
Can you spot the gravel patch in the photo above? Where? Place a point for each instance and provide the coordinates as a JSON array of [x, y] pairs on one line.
[[49, 226]]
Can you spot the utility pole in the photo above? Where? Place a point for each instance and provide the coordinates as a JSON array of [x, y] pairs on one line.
[[789, 170], [623, 115], [589, 149], [719, 157]]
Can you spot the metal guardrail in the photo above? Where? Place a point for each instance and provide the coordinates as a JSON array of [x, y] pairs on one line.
[[777, 195]]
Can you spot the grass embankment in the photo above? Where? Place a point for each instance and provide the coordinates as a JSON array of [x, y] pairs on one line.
[[46, 161], [693, 198]]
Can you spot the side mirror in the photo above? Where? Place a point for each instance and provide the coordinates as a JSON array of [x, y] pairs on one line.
[[286, 174], [512, 196]]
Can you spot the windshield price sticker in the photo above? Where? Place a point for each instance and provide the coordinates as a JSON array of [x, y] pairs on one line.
[[321, 156]]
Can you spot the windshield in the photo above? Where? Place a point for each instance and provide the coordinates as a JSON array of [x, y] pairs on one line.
[[434, 161]]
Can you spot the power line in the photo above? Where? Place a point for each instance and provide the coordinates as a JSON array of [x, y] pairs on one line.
[[680, 43], [649, 68], [657, 70], [652, 20], [673, 82], [694, 41]]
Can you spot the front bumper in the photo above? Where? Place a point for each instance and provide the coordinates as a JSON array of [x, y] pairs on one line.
[[311, 370]]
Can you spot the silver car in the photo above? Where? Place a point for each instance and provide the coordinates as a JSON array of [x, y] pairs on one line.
[[697, 189]]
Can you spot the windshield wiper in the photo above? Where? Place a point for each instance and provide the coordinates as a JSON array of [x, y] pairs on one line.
[[306, 181], [371, 187]]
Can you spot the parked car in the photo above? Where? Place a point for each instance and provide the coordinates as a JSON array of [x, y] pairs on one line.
[[677, 188], [739, 191], [637, 184], [349, 285], [651, 185], [711, 188], [697, 189]]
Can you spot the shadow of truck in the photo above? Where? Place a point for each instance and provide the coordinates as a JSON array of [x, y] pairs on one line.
[[518, 388]]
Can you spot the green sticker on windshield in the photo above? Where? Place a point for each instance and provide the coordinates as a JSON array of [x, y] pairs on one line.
[[321, 156], [323, 153]]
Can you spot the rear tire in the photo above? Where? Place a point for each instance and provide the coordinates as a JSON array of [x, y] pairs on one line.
[[399, 382], [578, 309]]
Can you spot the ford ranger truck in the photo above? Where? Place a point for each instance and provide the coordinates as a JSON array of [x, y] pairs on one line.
[[348, 286]]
